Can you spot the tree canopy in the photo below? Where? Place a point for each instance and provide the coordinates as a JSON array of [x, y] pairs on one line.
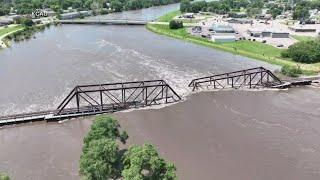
[[103, 159], [304, 51], [144, 163]]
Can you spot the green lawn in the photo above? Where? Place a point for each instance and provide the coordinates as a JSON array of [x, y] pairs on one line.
[[168, 17], [303, 38], [4, 31], [252, 49]]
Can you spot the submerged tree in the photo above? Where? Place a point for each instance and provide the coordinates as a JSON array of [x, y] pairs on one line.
[[144, 162], [102, 159], [105, 127]]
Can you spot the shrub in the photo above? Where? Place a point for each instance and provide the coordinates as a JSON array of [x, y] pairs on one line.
[[304, 51], [175, 24], [291, 71]]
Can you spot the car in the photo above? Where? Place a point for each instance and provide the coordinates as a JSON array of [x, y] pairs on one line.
[[280, 45]]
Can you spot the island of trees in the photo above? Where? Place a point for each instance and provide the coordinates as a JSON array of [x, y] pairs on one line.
[[102, 158]]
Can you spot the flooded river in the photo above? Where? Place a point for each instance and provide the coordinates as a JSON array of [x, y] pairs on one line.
[[214, 135], [37, 74]]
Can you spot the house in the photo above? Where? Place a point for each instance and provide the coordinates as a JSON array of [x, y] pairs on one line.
[[239, 21], [188, 15], [303, 28], [264, 16], [222, 28]]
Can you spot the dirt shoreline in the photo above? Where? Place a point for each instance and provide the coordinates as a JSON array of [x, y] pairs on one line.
[[212, 135]]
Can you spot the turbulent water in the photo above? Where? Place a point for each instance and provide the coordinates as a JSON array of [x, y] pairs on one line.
[[226, 135], [37, 74]]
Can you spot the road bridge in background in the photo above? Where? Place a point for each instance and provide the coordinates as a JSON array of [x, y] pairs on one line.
[[103, 21]]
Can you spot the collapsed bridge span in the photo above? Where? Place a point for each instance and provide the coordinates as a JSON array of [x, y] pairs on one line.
[[251, 78], [94, 99]]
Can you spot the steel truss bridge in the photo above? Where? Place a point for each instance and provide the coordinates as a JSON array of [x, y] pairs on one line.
[[103, 98], [249, 78]]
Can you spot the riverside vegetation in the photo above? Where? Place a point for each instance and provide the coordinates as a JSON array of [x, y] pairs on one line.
[[103, 159]]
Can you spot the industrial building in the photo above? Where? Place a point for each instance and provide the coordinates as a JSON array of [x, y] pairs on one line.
[[223, 33], [267, 33]]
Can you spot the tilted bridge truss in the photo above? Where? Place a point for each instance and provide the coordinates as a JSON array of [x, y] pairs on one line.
[[116, 96], [250, 78], [103, 98]]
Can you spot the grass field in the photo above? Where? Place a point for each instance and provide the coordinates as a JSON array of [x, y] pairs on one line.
[[4, 31], [168, 17], [303, 38], [252, 49]]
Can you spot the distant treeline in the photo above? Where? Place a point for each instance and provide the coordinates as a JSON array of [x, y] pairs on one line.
[[28, 6], [222, 6]]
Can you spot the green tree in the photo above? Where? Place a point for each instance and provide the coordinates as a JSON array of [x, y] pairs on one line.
[[105, 127], [304, 51], [173, 24], [301, 13], [116, 5], [102, 160], [4, 176], [144, 163], [185, 6]]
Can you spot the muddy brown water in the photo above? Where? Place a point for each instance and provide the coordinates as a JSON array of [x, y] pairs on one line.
[[258, 135]]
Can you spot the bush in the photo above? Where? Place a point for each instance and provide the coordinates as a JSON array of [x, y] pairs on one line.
[[25, 21], [175, 24], [291, 71], [304, 51]]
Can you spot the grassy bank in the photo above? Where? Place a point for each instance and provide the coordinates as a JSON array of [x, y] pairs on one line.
[[168, 17], [8, 30], [252, 49], [303, 38]]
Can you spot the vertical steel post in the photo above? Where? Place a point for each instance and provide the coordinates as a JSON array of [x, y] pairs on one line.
[[101, 99], [250, 81], [77, 98], [232, 82], [146, 98], [166, 93]]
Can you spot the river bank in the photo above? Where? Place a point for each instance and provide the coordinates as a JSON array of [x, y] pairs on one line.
[[6, 31], [223, 135], [255, 50]]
